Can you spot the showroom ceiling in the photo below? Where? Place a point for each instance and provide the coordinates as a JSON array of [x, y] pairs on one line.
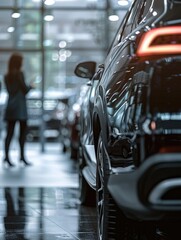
[[64, 31], [80, 22]]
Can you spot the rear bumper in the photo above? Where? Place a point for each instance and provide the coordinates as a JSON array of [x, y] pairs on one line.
[[152, 191]]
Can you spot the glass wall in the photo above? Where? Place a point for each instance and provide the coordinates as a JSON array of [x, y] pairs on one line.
[[55, 35]]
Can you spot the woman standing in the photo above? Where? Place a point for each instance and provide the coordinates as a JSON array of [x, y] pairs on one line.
[[16, 109]]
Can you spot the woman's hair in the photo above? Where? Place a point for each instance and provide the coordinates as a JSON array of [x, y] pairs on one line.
[[15, 62]]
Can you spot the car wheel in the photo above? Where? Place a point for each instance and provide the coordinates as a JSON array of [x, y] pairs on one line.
[[107, 214], [111, 221], [87, 195]]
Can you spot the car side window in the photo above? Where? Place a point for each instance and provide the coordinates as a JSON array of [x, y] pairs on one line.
[[137, 14], [147, 6], [144, 9], [131, 18], [125, 24], [119, 33], [150, 8]]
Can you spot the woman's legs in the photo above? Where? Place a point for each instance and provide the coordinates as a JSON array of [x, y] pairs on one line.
[[22, 139], [9, 135]]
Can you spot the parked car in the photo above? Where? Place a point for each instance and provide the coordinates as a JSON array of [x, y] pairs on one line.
[[73, 120], [87, 194], [54, 113], [130, 152]]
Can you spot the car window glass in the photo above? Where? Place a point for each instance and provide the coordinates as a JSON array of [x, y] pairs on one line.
[[119, 33], [123, 25], [129, 22], [147, 6], [131, 18], [136, 14], [144, 9], [155, 9]]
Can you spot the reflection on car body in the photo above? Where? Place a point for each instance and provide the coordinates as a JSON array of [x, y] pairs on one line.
[[131, 127]]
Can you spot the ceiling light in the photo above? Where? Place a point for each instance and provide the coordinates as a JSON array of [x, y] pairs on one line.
[[49, 2], [113, 17], [48, 17], [123, 2], [15, 14], [10, 29]]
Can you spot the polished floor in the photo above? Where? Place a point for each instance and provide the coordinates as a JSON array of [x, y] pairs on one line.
[[40, 202]]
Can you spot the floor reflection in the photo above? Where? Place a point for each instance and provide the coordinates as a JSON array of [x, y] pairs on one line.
[[15, 218], [45, 214]]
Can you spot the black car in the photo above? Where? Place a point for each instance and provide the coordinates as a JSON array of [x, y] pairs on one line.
[[131, 146]]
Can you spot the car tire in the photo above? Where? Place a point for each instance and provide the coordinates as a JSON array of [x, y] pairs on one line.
[[87, 195], [111, 221], [107, 214]]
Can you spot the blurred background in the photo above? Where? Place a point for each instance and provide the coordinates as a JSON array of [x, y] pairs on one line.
[[54, 36]]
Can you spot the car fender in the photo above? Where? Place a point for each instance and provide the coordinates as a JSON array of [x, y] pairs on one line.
[[100, 119]]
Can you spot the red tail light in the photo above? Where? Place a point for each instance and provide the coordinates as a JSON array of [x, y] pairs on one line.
[[170, 149], [160, 41]]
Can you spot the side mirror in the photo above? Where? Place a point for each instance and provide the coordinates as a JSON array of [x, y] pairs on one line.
[[85, 69]]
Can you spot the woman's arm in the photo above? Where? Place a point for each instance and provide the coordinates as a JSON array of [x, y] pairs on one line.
[[24, 87]]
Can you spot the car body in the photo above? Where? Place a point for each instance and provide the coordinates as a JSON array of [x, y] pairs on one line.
[[86, 147], [130, 146]]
